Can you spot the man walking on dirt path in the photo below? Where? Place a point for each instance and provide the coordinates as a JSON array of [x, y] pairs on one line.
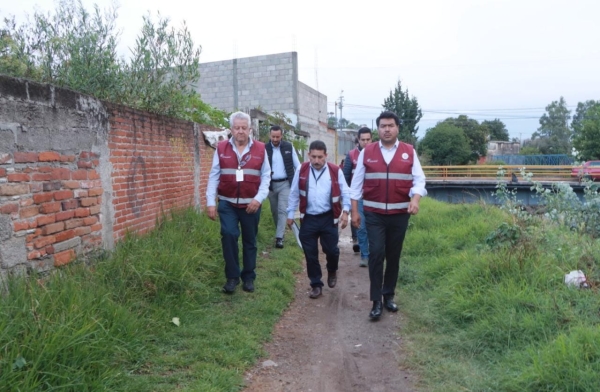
[[390, 180], [283, 161], [321, 191], [364, 138], [239, 177]]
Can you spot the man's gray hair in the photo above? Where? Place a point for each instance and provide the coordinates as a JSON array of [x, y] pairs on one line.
[[240, 116]]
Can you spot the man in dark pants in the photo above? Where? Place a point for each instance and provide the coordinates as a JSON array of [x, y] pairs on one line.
[[239, 177], [283, 161], [319, 188], [364, 138], [390, 180]]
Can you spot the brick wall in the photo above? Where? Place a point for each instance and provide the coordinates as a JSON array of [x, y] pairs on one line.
[[76, 173]]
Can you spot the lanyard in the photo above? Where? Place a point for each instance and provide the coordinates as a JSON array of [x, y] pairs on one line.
[[314, 176]]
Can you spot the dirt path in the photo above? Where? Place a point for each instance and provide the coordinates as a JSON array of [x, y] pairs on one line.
[[329, 344]]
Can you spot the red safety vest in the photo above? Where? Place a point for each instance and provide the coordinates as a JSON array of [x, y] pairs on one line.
[[336, 191], [354, 157], [239, 193], [386, 187]]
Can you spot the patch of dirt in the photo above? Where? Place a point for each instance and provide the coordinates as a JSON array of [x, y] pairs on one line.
[[329, 344]]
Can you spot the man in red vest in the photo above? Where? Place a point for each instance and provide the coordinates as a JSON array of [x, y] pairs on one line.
[[390, 180], [319, 188], [239, 178]]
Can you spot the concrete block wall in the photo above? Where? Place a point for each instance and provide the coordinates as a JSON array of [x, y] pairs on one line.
[[76, 173]]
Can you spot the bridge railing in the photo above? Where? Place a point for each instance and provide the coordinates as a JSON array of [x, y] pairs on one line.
[[540, 172]]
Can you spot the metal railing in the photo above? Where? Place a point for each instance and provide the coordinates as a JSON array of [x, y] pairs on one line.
[[489, 172]]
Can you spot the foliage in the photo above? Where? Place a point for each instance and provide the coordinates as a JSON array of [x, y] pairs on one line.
[[109, 327], [529, 150], [587, 139], [200, 112], [76, 49], [407, 109], [475, 133], [332, 121], [495, 129], [554, 128], [581, 113], [278, 118], [445, 144]]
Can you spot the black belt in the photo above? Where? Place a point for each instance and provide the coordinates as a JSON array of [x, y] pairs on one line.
[[279, 180]]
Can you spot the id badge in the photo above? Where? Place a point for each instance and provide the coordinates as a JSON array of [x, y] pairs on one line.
[[239, 175]]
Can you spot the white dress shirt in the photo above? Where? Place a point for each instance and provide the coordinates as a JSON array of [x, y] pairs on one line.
[[319, 192], [358, 179], [278, 167], [215, 174]]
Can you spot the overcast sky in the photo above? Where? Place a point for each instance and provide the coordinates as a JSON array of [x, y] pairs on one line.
[[487, 59]]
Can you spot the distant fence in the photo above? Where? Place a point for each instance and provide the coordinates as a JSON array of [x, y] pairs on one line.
[[556, 159]]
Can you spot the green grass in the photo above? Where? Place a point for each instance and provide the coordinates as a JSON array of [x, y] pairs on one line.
[[109, 327], [500, 318]]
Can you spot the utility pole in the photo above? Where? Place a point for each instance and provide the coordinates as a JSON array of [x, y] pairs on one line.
[[341, 107]]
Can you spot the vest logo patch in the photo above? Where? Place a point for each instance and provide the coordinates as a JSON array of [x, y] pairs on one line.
[[372, 160], [225, 156], [404, 155]]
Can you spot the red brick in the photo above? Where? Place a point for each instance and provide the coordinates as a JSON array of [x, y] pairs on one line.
[[20, 225], [28, 212], [49, 208], [44, 241], [42, 177], [87, 155], [64, 215], [72, 223], [65, 257], [90, 220], [67, 158], [40, 198], [52, 186], [22, 157], [69, 204], [96, 227], [45, 169], [95, 192], [83, 230], [35, 187], [93, 175], [62, 195], [91, 184], [13, 189], [2, 172], [65, 235], [9, 208], [26, 202], [33, 255], [79, 175], [82, 212], [71, 184], [53, 228], [84, 164], [94, 210], [45, 220], [49, 156], [18, 177], [61, 174], [89, 201], [79, 193], [49, 249]]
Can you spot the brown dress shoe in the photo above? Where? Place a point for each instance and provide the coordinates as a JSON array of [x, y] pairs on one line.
[[315, 292], [331, 279]]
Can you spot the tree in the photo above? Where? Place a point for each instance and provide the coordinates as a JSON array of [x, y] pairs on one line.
[[281, 119], [554, 126], [445, 144], [475, 133], [580, 114], [496, 130], [587, 140], [332, 121], [407, 109]]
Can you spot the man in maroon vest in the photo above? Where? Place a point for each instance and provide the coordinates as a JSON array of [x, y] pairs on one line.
[[239, 178], [321, 191], [390, 180]]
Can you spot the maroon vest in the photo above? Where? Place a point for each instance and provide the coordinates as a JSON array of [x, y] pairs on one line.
[[336, 191], [354, 157], [386, 187], [239, 193]]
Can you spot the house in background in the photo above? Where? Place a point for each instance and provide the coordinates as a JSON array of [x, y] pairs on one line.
[[268, 83]]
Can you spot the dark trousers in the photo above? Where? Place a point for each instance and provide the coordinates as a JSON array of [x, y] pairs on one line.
[[231, 219], [386, 235], [313, 228]]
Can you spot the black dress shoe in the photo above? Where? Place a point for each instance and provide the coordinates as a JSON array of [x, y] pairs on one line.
[[356, 248], [376, 310], [389, 304], [315, 292], [279, 243], [331, 279], [230, 285], [248, 286]]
